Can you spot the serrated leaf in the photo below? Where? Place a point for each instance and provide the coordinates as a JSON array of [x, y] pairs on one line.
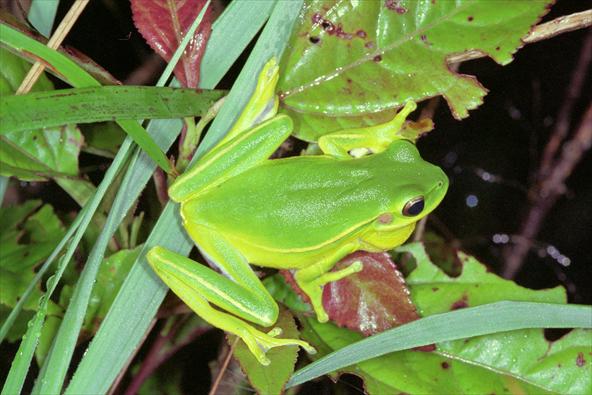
[[361, 59], [163, 25], [29, 234], [371, 301], [507, 362], [433, 291], [41, 154], [270, 379]]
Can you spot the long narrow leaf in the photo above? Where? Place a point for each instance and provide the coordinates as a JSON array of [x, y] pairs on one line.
[[56, 364], [3, 186], [459, 324], [42, 15], [22, 360], [79, 78], [142, 292], [87, 105]]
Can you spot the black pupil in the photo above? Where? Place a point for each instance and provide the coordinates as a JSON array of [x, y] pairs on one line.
[[414, 207]]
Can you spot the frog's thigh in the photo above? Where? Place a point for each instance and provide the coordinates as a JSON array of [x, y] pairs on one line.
[[254, 301], [311, 279], [194, 284]]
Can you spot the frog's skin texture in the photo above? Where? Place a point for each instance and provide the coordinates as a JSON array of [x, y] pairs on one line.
[[303, 213]]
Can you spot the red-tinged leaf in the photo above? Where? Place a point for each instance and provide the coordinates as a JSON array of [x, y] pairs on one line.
[[163, 25], [372, 300], [369, 302]]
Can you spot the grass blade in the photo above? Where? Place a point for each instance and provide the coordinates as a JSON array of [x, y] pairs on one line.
[[142, 292], [226, 29], [42, 15], [22, 361], [459, 324], [56, 364], [3, 186], [79, 78], [87, 105]]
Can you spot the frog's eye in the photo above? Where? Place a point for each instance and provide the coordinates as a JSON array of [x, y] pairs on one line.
[[413, 207]]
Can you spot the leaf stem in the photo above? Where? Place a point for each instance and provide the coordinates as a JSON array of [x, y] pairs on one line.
[[223, 368], [54, 42], [553, 172], [544, 31]]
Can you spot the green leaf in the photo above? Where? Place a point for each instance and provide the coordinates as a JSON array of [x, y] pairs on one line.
[[79, 78], [270, 379], [502, 362], [142, 292], [41, 154], [37, 154], [87, 105], [433, 291], [110, 276], [54, 370], [29, 234], [360, 60], [103, 139], [283, 293]]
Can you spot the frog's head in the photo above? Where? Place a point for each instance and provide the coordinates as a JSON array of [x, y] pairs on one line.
[[417, 186]]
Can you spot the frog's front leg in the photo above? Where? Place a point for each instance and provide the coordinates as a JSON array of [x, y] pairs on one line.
[[311, 279], [242, 294], [365, 140]]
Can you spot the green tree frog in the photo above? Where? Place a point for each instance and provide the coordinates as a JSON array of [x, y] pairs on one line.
[[302, 213]]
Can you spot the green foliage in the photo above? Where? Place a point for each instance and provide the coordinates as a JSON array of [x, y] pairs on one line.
[[29, 234], [87, 105], [39, 154], [79, 78], [504, 362], [372, 56], [111, 275], [270, 379], [367, 61]]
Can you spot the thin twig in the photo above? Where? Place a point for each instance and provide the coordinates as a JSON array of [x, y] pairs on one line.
[[223, 368], [544, 31], [543, 195], [54, 42], [550, 190], [574, 90], [161, 351]]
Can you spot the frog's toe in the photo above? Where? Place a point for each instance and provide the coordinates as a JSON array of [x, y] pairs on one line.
[[275, 332], [259, 343], [322, 316]]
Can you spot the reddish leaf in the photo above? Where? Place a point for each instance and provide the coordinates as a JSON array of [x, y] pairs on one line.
[[163, 25], [369, 302], [372, 300]]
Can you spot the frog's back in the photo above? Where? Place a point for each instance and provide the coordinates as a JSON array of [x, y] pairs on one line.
[[296, 203]]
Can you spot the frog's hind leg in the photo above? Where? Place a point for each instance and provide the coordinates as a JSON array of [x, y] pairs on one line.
[[199, 287]]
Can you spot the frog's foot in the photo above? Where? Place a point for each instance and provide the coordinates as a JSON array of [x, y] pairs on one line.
[[314, 288], [259, 342]]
